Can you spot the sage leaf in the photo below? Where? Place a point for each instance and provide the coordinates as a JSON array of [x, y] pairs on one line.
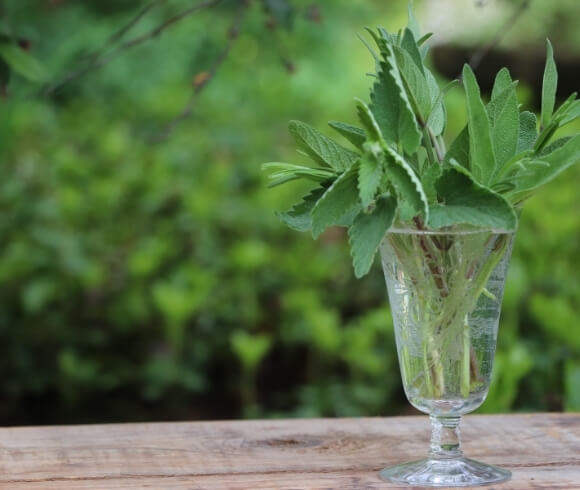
[[409, 44], [550, 84], [555, 145], [340, 200], [528, 131], [571, 114], [459, 149], [408, 187], [369, 178], [466, 202], [548, 167], [392, 109], [367, 232], [367, 119], [481, 155], [429, 177], [299, 217], [285, 172], [415, 83], [504, 117], [413, 22], [437, 118], [503, 81], [320, 148], [355, 135]]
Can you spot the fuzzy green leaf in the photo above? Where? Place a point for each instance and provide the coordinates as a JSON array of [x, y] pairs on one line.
[[482, 157], [437, 118], [469, 203], [571, 114], [353, 134], [459, 149], [341, 200], [23, 63], [415, 83], [286, 172], [547, 168], [299, 217], [429, 178], [528, 131], [408, 187], [504, 117], [370, 124], [555, 145], [391, 107], [503, 81], [413, 22], [367, 233], [369, 178], [409, 44], [550, 84], [320, 148]]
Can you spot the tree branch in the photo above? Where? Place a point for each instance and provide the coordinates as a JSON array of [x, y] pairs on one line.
[[204, 78], [98, 59]]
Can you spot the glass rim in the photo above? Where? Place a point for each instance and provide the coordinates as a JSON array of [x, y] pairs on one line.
[[397, 230]]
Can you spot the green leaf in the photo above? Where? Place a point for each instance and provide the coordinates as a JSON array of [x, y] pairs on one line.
[[321, 148], [469, 203], [555, 145], [23, 63], [391, 107], [407, 186], [353, 134], [367, 232], [429, 178], [424, 39], [299, 217], [528, 131], [381, 39], [503, 81], [482, 158], [415, 83], [409, 44], [369, 178], [547, 168], [413, 23], [285, 172], [504, 117], [571, 114], [437, 119], [339, 201], [459, 149], [370, 124], [550, 84]]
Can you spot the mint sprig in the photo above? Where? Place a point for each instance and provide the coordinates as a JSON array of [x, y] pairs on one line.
[[399, 172]]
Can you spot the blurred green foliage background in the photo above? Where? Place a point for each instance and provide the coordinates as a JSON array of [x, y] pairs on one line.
[[150, 280]]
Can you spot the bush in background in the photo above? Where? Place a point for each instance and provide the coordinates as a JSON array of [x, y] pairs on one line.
[[151, 281]]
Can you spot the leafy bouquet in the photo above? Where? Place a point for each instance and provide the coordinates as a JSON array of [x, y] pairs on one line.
[[400, 173], [443, 215]]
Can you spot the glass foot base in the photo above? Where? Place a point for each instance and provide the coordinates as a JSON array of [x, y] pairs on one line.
[[461, 472]]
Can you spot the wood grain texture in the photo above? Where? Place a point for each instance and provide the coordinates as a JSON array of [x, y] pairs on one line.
[[543, 451]]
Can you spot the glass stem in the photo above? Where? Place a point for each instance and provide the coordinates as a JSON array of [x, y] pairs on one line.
[[445, 438]]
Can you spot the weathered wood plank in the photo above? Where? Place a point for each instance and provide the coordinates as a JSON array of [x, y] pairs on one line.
[[543, 451], [538, 478]]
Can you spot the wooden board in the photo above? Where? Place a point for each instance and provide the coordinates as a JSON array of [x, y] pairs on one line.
[[543, 451]]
